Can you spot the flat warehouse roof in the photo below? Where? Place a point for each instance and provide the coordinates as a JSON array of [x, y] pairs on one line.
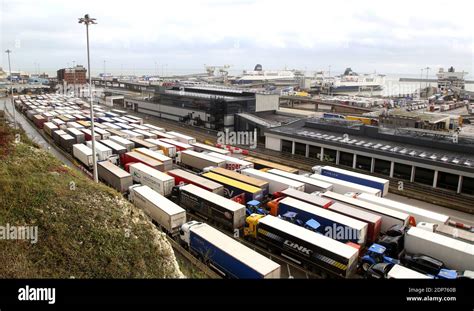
[[433, 151]]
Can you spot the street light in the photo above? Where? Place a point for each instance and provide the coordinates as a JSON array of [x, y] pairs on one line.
[[74, 72], [427, 83], [11, 86], [86, 20], [421, 80]]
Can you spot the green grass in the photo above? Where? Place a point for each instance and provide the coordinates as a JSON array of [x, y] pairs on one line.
[[89, 232]]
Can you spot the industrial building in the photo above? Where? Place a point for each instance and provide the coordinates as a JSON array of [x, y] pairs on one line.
[[74, 75], [399, 118], [209, 106], [433, 158]]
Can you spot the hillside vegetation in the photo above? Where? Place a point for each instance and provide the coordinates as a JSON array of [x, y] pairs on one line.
[[85, 230]]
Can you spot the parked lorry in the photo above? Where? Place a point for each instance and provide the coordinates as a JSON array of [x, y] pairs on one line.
[[353, 177], [452, 232], [337, 226], [124, 142], [276, 183], [103, 152], [198, 161], [390, 217], [104, 134], [135, 157], [116, 148], [200, 147], [79, 136], [83, 154], [56, 136], [156, 180], [303, 196], [455, 254], [114, 176], [168, 149], [140, 143], [242, 178], [307, 248], [310, 184], [343, 187], [179, 145], [183, 138], [145, 133], [232, 163], [157, 155], [233, 188], [132, 134], [88, 135], [66, 142], [227, 256], [49, 127], [373, 221], [162, 211], [401, 272], [154, 127], [183, 177], [418, 214], [215, 208]]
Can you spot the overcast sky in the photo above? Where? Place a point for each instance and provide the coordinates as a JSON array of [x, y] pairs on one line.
[[181, 36]]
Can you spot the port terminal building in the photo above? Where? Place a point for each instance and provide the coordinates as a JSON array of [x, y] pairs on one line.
[[434, 158], [209, 106]]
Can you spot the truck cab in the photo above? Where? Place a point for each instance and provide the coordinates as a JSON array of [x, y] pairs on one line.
[[393, 241], [254, 207], [429, 265], [273, 205], [312, 225], [184, 231], [293, 218], [376, 254], [175, 192], [251, 222]]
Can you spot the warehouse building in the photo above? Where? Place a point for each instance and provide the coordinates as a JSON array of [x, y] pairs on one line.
[[209, 106], [422, 120], [74, 75], [432, 158]]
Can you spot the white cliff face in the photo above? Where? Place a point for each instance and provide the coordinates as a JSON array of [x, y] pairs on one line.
[[89, 231]]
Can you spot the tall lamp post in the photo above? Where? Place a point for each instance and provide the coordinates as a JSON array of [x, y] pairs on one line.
[[11, 86], [74, 68], [421, 80], [86, 20]]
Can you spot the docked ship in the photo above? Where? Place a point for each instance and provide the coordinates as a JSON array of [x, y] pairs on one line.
[[258, 75], [450, 79], [354, 82]]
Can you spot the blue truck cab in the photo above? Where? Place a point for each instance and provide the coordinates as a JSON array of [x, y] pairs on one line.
[[376, 254], [254, 207]]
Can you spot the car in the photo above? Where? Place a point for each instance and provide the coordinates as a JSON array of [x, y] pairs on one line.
[[422, 263], [378, 270], [466, 274]]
